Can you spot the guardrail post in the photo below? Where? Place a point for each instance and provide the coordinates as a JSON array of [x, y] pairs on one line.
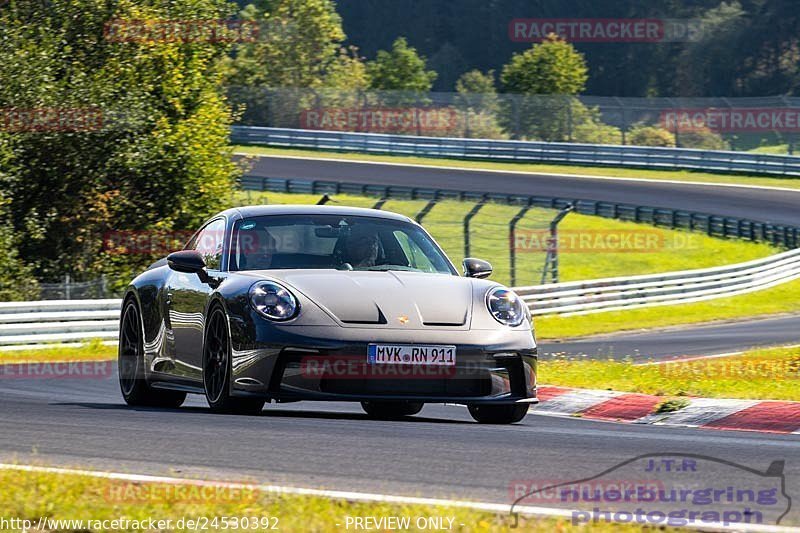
[[379, 204], [474, 211], [512, 242]]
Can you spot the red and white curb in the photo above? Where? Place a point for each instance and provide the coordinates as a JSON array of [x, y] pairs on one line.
[[742, 415]]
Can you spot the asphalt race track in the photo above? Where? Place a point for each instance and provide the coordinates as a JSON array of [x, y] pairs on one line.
[[440, 453], [668, 343], [777, 206]]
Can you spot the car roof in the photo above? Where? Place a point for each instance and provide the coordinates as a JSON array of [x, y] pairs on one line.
[[262, 210]]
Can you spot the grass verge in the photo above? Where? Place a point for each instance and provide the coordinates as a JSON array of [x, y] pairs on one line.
[[94, 350], [676, 175], [73, 497], [766, 374]]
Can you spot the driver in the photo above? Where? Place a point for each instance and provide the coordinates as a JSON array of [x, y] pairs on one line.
[[258, 247], [361, 247]]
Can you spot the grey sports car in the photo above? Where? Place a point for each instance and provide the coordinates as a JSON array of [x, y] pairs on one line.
[[288, 303]]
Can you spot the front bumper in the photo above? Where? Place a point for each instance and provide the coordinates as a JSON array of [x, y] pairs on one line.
[[342, 373]]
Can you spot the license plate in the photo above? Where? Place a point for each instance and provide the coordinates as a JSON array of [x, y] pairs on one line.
[[411, 354]]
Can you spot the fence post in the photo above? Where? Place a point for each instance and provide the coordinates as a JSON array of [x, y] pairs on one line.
[[551, 261], [512, 244], [424, 211], [474, 211], [66, 286]]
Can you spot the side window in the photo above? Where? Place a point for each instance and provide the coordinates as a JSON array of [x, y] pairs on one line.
[[209, 242], [415, 256]]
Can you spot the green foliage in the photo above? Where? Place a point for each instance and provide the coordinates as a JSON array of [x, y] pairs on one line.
[[401, 69], [301, 42], [158, 158], [672, 405], [642, 135], [552, 67], [17, 281], [347, 71], [476, 82]]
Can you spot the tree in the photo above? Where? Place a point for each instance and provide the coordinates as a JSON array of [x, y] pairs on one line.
[[401, 69], [300, 41], [552, 67], [152, 153], [347, 71], [544, 80], [476, 82]]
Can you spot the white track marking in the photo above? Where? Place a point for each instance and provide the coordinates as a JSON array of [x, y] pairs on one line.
[[526, 510], [530, 173]]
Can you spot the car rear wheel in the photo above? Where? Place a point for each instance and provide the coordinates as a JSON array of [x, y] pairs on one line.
[[217, 369], [130, 367], [498, 414], [391, 410]]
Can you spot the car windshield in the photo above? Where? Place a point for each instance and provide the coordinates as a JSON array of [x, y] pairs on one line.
[[333, 241]]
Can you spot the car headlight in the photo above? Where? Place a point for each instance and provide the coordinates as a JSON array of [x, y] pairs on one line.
[[274, 301], [505, 306]]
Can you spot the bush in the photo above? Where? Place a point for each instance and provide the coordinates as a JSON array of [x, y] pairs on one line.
[[641, 135], [702, 139], [17, 282]]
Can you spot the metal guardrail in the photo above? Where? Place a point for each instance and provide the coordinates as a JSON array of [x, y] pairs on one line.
[[31, 323], [523, 151], [712, 225], [51, 321], [614, 294]]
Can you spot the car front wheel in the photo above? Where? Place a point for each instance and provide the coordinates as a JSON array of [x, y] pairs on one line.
[[217, 369], [498, 414], [391, 410]]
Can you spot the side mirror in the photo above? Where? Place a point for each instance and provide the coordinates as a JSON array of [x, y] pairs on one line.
[[189, 261], [477, 268]]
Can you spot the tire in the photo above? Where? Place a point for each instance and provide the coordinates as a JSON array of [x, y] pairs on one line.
[[130, 365], [217, 369], [498, 414], [391, 410]]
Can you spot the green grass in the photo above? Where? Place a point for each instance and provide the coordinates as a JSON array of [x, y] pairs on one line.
[[765, 374], [678, 175], [489, 237], [781, 299], [65, 496], [91, 351], [780, 149]]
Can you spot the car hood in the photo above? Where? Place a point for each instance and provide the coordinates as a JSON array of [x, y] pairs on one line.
[[394, 299]]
